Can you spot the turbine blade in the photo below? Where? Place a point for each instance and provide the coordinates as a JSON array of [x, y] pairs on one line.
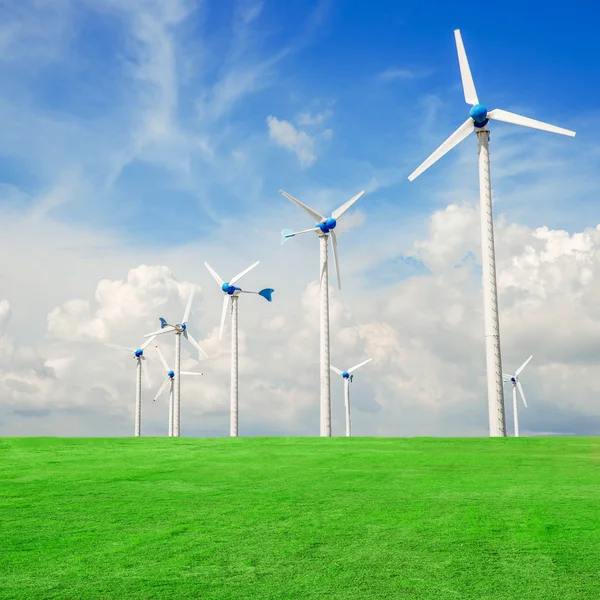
[[146, 376], [338, 212], [223, 316], [160, 331], [116, 347], [521, 392], [147, 343], [523, 366], [240, 275], [458, 136], [188, 308], [214, 274], [162, 358], [335, 370], [336, 261], [465, 71], [364, 362], [507, 117], [313, 213], [162, 388], [190, 373], [194, 343]]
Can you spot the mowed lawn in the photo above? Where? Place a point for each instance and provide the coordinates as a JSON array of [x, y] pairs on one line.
[[300, 518]]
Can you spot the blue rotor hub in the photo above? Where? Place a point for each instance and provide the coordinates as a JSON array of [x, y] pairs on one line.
[[345, 374], [478, 113], [171, 374], [139, 352]]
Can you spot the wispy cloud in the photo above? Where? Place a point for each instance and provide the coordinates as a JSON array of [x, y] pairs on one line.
[[396, 73], [284, 134]]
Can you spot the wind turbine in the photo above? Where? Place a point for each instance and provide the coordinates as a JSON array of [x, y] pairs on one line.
[[324, 229], [514, 379], [348, 377], [478, 119], [230, 301], [139, 357], [171, 381], [179, 329]]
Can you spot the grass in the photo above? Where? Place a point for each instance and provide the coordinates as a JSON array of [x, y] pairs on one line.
[[300, 518]]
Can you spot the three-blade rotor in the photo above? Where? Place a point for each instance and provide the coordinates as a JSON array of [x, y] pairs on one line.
[[514, 379], [324, 226], [479, 115]]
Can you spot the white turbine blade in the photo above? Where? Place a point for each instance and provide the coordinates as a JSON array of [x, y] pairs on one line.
[[364, 362], [313, 213], [506, 377], [521, 392], [336, 260], [147, 343], [116, 347], [338, 212], [188, 308], [223, 315], [194, 343], [161, 331], [162, 358], [240, 275], [289, 235], [214, 274], [146, 376], [523, 366], [465, 71], [190, 373], [162, 388], [507, 117], [335, 370], [458, 136]]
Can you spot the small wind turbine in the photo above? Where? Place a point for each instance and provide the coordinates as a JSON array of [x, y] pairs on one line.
[[169, 380], [348, 377], [514, 379], [179, 329], [139, 357], [478, 119], [324, 229], [231, 301]]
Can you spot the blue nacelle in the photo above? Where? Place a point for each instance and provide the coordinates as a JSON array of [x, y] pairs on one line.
[[328, 225], [171, 374], [479, 115], [230, 289], [139, 352]]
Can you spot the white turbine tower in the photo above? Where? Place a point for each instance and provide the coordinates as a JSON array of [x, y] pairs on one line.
[[179, 329], [477, 121], [171, 381], [514, 379], [324, 229], [231, 301], [139, 357], [348, 377]]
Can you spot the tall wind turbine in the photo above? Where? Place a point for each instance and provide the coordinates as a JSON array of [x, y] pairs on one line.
[[324, 229], [478, 119], [170, 380], [230, 301], [348, 377], [139, 357], [514, 379], [179, 329]]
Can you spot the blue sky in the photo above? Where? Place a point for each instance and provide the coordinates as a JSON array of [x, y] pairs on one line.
[[82, 88], [149, 132]]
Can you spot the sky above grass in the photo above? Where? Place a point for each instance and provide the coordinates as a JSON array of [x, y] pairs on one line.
[[141, 138]]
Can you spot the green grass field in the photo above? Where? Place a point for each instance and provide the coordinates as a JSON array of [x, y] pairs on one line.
[[300, 518]]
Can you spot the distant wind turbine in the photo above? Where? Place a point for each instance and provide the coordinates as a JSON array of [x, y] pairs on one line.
[[478, 119], [139, 357], [170, 380], [179, 329], [324, 229], [348, 377], [231, 301], [514, 379]]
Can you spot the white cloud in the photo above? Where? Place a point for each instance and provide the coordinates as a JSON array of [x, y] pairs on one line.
[[307, 118], [284, 134], [395, 73]]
